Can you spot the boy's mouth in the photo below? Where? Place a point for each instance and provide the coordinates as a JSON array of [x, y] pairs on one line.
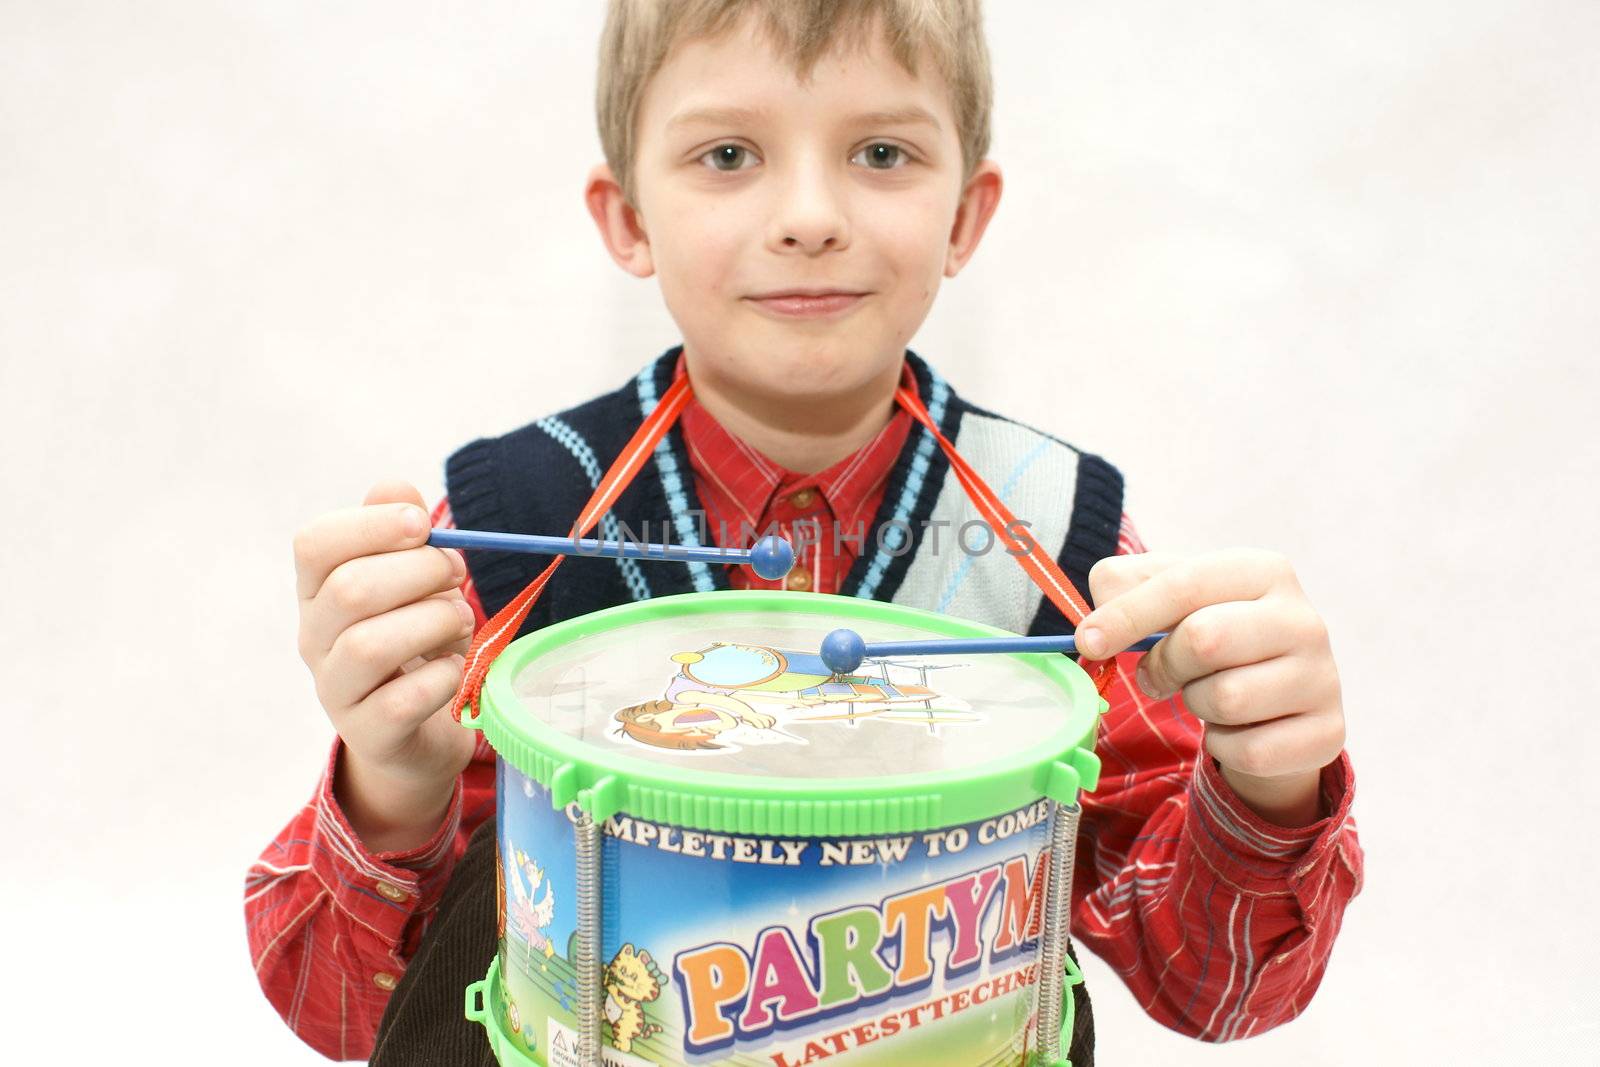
[[807, 303]]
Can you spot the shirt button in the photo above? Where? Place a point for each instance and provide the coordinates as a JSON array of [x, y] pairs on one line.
[[799, 578], [803, 499], [385, 981], [392, 891]]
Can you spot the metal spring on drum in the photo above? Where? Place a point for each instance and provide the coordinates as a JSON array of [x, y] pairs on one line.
[[1057, 926], [586, 834]]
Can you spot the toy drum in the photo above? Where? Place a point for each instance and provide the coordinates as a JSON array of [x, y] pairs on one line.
[[714, 851]]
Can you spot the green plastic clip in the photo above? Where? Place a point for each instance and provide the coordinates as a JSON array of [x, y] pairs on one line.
[[605, 798], [477, 1001], [564, 785], [1079, 770]]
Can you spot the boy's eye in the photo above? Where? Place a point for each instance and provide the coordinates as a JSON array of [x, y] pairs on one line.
[[881, 156], [728, 157]]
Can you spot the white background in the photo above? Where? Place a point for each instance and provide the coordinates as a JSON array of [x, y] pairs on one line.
[[1319, 277]]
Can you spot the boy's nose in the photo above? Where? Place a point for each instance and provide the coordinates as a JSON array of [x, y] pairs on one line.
[[810, 218], [809, 243]]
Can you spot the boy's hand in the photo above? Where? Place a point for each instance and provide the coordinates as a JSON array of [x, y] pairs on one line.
[[382, 624], [1250, 655]]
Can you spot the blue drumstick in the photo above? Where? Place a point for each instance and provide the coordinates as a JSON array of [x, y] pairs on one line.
[[771, 558], [843, 650]]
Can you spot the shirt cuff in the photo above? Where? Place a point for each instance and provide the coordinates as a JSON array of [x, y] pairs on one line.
[[380, 890], [1253, 853]]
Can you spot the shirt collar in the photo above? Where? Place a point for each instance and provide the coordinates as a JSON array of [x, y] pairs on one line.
[[753, 481]]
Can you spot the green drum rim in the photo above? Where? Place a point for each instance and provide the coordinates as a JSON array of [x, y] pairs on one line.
[[604, 782], [482, 998]]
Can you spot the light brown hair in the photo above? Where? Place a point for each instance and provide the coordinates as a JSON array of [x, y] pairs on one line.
[[639, 34]]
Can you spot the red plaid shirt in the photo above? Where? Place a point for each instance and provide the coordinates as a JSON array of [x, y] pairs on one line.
[[1219, 923]]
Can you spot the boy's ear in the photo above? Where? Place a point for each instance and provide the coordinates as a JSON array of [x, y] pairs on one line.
[[620, 226], [979, 197]]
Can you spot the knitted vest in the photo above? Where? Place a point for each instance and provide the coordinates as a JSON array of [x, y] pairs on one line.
[[537, 479]]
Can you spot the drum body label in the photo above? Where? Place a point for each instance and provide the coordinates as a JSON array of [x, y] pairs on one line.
[[783, 952]]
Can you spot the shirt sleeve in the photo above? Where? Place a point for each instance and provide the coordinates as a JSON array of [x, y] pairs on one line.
[[332, 925], [1219, 922]]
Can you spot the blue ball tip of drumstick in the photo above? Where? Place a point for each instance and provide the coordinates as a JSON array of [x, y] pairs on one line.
[[772, 557], [842, 651]]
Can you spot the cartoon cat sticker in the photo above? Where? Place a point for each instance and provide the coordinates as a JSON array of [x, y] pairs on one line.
[[632, 980]]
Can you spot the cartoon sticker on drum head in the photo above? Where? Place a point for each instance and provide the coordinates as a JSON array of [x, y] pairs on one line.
[[729, 695], [690, 722]]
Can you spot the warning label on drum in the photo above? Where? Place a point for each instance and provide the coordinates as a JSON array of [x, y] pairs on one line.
[[563, 1044]]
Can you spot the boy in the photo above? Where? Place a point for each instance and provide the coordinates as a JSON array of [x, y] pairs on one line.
[[799, 177]]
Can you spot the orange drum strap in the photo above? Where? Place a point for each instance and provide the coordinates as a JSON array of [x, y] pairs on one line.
[[1044, 571], [497, 633], [492, 638]]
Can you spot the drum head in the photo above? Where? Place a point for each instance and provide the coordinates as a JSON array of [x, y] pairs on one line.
[[725, 694], [746, 693]]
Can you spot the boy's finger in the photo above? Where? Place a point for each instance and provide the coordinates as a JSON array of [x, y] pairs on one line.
[[1256, 692], [1214, 638], [368, 586], [400, 706], [1115, 575], [339, 536], [454, 648], [368, 653], [464, 645], [1289, 744], [1166, 598]]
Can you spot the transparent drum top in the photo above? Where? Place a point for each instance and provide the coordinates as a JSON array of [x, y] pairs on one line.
[[747, 694]]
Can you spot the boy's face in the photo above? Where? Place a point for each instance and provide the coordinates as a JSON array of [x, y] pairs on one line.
[[799, 231]]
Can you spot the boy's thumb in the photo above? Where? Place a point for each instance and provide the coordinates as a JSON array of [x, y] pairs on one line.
[[394, 491]]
